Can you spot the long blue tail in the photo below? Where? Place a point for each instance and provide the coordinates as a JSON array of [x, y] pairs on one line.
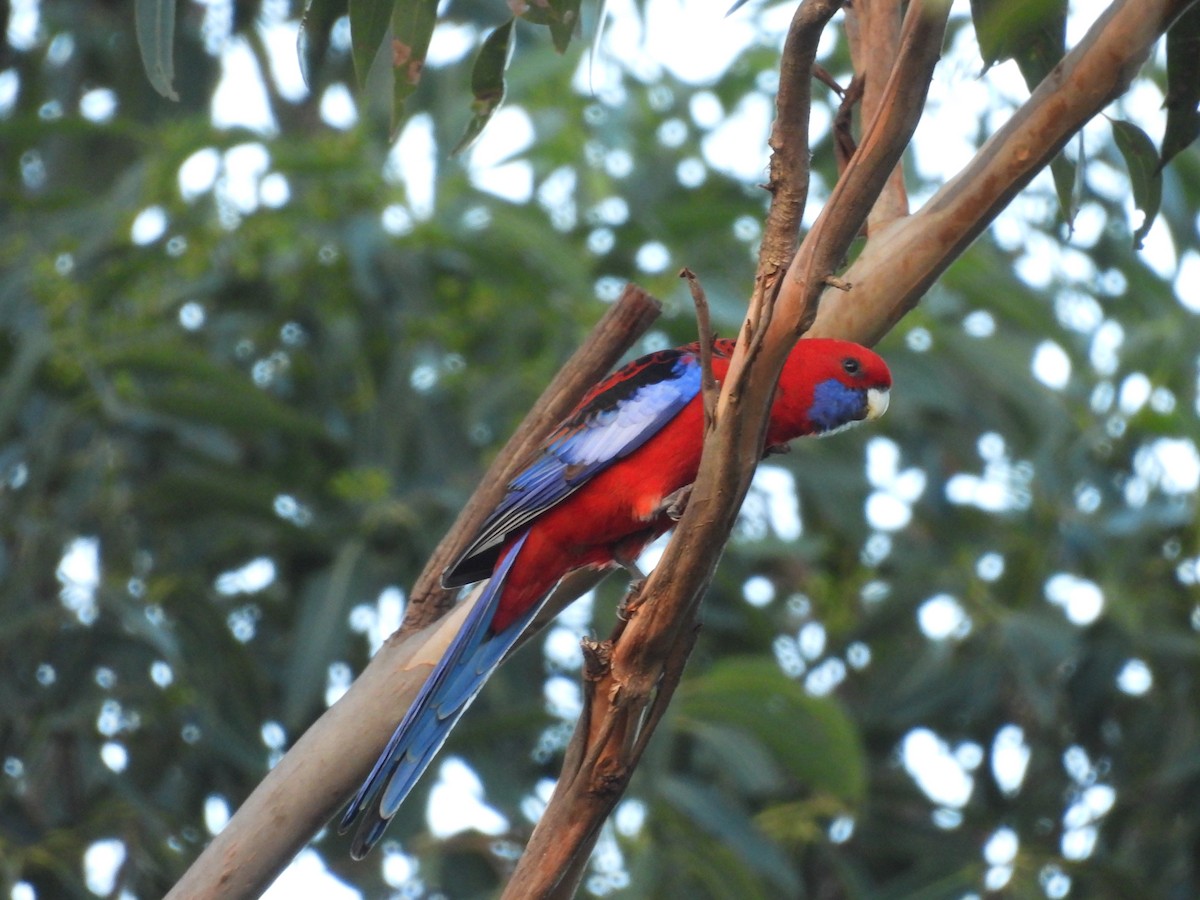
[[467, 663]]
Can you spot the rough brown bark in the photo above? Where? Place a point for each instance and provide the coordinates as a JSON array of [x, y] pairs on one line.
[[645, 659]]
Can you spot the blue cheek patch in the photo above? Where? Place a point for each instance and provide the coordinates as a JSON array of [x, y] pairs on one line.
[[835, 405]]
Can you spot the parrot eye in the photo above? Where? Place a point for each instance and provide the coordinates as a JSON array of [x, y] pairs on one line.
[[851, 366]]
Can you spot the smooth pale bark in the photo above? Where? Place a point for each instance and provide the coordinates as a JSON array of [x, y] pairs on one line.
[[902, 259], [315, 778]]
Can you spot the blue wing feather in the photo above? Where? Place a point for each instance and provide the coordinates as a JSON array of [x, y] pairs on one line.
[[446, 694], [616, 418]]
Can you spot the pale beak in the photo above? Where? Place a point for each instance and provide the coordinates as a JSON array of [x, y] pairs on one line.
[[877, 402]]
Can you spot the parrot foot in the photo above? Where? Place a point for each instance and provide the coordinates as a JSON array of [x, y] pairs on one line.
[[631, 601], [777, 449], [675, 503]]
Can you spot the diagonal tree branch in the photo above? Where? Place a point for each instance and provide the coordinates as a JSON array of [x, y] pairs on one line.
[[649, 654], [901, 261], [310, 784], [873, 31]]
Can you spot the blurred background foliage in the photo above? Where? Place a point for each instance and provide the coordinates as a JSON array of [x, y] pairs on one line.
[[252, 364]]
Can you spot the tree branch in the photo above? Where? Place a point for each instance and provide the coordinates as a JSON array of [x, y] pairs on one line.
[[708, 384], [650, 653], [625, 321], [873, 31], [901, 261], [789, 167], [312, 782]]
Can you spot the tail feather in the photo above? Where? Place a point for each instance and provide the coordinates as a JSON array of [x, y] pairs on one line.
[[456, 680]]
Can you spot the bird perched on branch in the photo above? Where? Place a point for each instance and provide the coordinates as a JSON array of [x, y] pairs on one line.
[[607, 482]]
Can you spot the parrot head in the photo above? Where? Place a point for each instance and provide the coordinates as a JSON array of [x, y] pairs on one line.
[[827, 386]]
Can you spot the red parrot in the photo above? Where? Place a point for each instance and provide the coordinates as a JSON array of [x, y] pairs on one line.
[[601, 488]]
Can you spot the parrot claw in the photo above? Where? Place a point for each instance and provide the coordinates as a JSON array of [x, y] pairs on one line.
[[676, 502], [631, 601], [778, 449]]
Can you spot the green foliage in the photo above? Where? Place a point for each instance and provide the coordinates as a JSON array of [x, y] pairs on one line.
[[316, 26], [745, 699], [1144, 173], [156, 39], [368, 27], [1183, 85], [309, 371], [1032, 32], [411, 26], [487, 81]]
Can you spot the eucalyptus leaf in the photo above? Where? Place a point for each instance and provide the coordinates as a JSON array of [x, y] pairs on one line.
[[487, 82], [412, 28], [312, 40], [749, 763], [1183, 85], [689, 862], [1141, 159], [318, 634], [711, 810], [1032, 32], [156, 40], [566, 23], [368, 28], [811, 738], [1067, 185]]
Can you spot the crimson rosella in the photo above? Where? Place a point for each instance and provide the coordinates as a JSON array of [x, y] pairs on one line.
[[599, 490]]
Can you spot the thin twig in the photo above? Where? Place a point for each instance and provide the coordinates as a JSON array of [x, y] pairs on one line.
[[709, 389], [822, 75], [844, 144]]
